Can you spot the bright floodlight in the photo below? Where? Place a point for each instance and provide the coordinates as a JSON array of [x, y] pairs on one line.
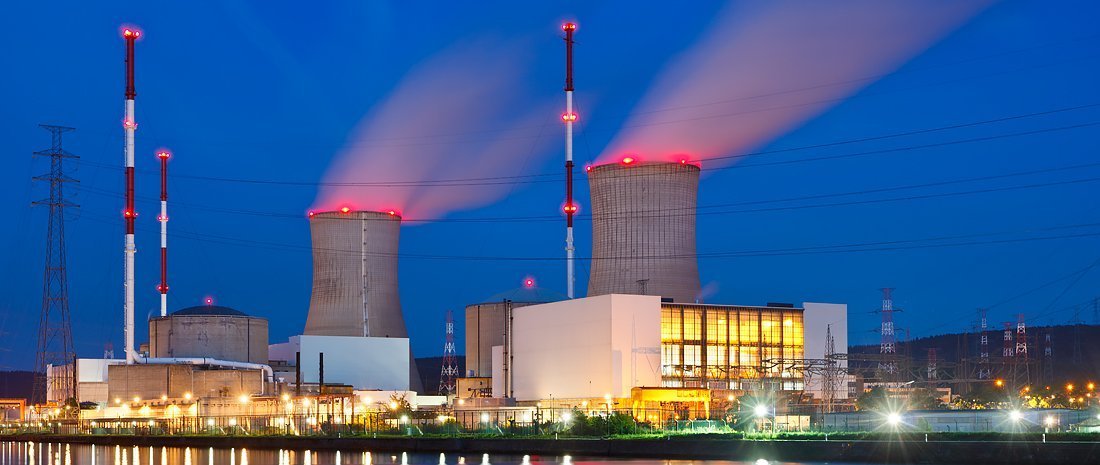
[[566, 417], [760, 410], [1015, 415], [893, 419]]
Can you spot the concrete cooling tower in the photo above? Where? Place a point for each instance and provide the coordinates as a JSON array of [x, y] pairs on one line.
[[355, 289], [643, 229]]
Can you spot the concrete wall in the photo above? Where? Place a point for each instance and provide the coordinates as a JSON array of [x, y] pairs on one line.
[[380, 363], [223, 337], [586, 348], [643, 229], [152, 381], [816, 318]]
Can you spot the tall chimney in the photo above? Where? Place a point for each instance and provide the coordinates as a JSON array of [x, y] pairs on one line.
[[569, 117], [163, 155], [129, 125]]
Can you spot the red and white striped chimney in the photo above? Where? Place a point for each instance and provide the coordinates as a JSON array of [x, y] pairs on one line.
[[163, 155], [129, 125]]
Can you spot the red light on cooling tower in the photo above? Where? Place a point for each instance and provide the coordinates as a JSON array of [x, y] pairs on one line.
[[568, 27], [129, 214], [569, 117], [310, 213], [628, 160], [529, 283], [588, 167], [129, 124], [345, 210], [392, 213]]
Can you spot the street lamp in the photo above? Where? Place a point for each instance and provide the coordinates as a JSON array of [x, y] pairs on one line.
[[893, 419], [1015, 416]]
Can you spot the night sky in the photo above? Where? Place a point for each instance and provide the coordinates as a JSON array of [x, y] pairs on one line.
[[962, 171]]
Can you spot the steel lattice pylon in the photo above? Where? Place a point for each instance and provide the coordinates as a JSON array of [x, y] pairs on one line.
[[449, 371], [55, 340]]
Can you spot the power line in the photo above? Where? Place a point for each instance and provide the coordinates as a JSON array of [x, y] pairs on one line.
[[557, 177]]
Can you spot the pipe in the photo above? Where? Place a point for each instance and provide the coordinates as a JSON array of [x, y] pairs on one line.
[[129, 126], [163, 155], [269, 374], [569, 118]]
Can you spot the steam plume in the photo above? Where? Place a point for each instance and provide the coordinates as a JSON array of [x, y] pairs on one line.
[[460, 115], [765, 67]]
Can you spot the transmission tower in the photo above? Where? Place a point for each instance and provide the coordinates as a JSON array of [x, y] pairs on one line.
[[933, 365], [1022, 365], [1048, 357], [985, 371], [55, 339], [829, 380], [888, 342], [449, 371]]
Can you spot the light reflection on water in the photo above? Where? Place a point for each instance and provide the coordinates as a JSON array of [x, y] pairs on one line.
[[28, 453]]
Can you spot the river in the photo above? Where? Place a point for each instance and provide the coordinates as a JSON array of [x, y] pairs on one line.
[[45, 453]]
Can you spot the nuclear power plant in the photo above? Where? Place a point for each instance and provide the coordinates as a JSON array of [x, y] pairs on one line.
[[641, 337]]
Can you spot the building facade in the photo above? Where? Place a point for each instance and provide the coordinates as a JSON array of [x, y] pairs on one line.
[[731, 347]]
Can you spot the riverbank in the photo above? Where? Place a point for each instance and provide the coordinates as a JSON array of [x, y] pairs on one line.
[[686, 448]]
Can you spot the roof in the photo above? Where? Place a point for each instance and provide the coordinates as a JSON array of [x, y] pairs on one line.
[[534, 295], [208, 310]]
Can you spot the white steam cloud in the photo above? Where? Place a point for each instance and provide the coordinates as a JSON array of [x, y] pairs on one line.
[[766, 67]]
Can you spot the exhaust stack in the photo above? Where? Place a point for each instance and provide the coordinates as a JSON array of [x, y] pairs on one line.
[[163, 155], [129, 127], [569, 117]]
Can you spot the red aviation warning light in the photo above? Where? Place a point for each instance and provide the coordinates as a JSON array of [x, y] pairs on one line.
[[345, 210], [131, 33], [569, 208], [568, 27], [529, 283], [392, 212], [569, 117], [208, 301], [163, 154], [310, 213], [628, 160]]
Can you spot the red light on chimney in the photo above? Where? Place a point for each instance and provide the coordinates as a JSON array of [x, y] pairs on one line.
[[570, 208], [588, 167], [568, 27], [129, 214], [163, 154], [129, 124], [392, 213], [569, 117], [345, 210], [628, 160]]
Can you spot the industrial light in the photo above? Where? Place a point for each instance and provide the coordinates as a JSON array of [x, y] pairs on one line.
[[484, 417], [1015, 415], [243, 398], [568, 27], [1049, 421], [187, 396], [566, 417], [163, 154], [137, 399], [999, 383], [760, 410], [345, 210], [1069, 387], [893, 419], [286, 397], [209, 422]]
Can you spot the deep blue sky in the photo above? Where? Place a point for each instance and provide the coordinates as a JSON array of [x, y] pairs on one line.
[[271, 91]]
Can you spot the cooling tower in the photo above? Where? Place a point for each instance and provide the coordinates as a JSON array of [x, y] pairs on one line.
[[643, 229], [355, 276]]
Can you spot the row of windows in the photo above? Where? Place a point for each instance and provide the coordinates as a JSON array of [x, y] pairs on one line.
[[702, 346]]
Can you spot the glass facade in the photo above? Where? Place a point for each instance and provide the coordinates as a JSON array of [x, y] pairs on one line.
[[731, 347]]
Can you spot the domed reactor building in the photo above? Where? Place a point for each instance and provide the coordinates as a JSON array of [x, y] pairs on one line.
[[355, 291], [643, 229]]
